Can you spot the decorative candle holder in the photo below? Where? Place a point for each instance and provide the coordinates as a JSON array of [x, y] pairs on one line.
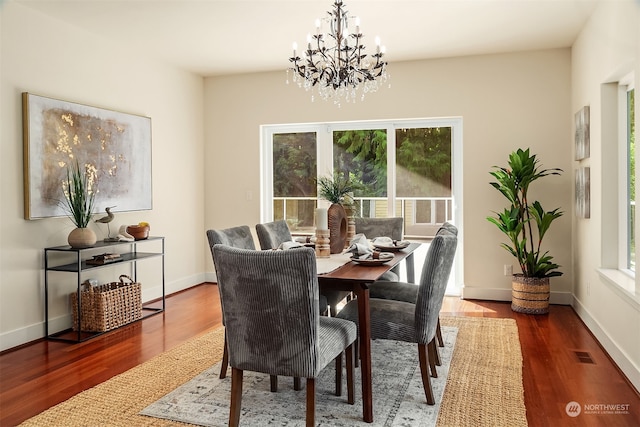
[[323, 250], [351, 224]]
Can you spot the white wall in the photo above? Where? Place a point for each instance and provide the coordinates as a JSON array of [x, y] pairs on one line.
[[506, 102], [607, 49], [49, 58]]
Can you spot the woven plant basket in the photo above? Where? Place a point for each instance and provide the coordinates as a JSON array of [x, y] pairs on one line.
[[108, 306], [530, 295]]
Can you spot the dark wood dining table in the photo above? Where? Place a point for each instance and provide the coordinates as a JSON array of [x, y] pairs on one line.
[[357, 278]]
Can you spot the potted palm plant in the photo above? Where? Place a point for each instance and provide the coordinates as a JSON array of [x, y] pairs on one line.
[[525, 224], [79, 202], [339, 191]]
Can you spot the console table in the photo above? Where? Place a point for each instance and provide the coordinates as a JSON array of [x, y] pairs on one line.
[[129, 255]]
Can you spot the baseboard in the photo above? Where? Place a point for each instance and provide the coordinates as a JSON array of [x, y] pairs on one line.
[[489, 294], [502, 294], [625, 364], [36, 331]]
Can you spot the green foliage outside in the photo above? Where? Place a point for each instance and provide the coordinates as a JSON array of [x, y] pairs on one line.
[[423, 158], [632, 178], [632, 146], [294, 164], [361, 157], [423, 167]]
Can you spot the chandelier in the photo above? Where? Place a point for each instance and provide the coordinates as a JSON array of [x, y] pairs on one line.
[[335, 64]]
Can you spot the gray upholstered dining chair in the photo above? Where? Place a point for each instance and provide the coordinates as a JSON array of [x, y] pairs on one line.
[[377, 227], [382, 227], [289, 338], [403, 321], [238, 237], [271, 235], [408, 292], [402, 291]]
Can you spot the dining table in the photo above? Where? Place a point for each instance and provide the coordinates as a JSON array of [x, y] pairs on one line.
[[348, 275]]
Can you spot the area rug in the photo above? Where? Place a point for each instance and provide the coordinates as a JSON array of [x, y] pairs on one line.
[[398, 396], [484, 384]]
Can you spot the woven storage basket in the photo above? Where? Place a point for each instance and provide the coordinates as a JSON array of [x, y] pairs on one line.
[[530, 295], [109, 306]]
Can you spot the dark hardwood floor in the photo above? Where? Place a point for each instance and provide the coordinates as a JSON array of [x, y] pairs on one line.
[[562, 362]]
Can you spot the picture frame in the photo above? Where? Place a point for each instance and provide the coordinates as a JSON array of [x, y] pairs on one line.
[[583, 192], [112, 147], [582, 133]]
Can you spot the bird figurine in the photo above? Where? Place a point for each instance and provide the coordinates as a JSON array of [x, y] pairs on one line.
[[106, 220]]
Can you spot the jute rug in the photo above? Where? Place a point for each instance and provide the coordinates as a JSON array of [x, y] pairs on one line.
[[484, 384], [398, 394]]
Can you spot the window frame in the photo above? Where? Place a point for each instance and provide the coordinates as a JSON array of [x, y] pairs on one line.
[[612, 270], [625, 85]]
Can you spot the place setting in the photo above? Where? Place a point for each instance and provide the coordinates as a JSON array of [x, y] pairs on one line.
[[378, 251]]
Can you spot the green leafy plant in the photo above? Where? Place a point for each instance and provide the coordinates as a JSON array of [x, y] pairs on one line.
[[334, 189], [518, 220], [79, 197]]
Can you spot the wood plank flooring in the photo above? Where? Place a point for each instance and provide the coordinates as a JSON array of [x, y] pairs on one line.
[[562, 362]]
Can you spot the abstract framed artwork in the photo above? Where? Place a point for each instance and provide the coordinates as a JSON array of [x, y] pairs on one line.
[[113, 148], [582, 138], [583, 192]]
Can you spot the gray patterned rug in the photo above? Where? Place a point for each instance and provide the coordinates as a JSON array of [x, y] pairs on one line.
[[398, 396]]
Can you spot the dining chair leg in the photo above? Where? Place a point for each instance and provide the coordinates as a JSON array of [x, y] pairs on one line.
[[351, 395], [424, 372], [274, 383], [356, 346], [297, 384], [432, 349], [339, 375], [311, 402], [439, 334], [436, 352], [225, 359], [236, 397]]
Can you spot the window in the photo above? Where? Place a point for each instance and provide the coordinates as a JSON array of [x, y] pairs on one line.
[[294, 162], [618, 254], [629, 208], [404, 168]]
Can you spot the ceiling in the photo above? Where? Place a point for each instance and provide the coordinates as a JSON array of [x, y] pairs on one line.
[[219, 37]]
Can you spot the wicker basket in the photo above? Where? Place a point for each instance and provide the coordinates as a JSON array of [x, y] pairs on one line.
[[530, 295], [108, 306]]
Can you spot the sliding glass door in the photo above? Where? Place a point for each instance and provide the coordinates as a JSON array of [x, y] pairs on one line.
[[402, 168]]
